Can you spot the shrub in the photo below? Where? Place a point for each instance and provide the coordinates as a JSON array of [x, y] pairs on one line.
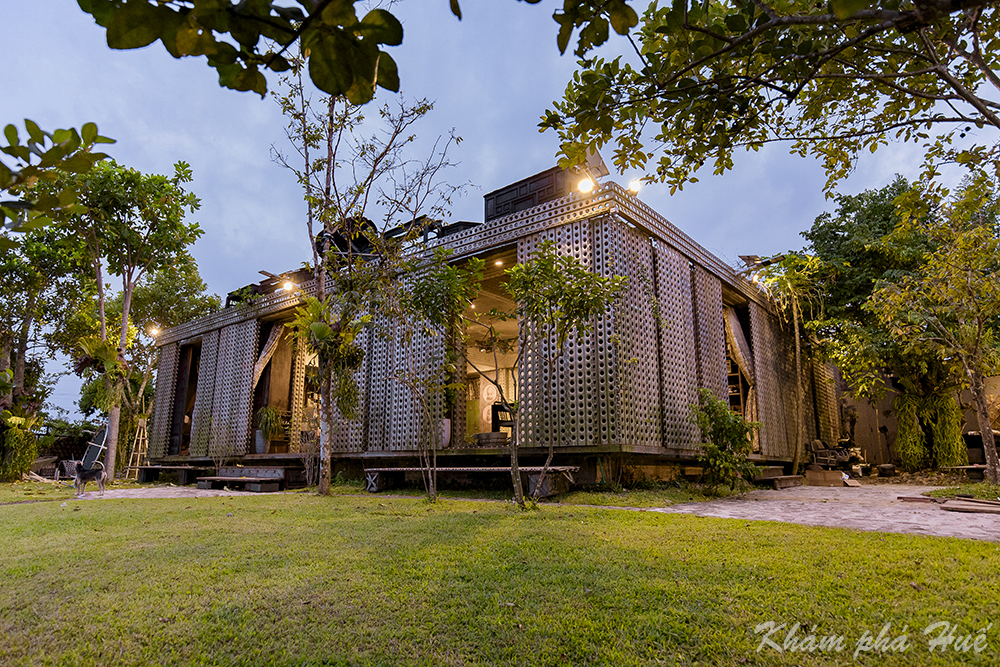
[[18, 449], [727, 441]]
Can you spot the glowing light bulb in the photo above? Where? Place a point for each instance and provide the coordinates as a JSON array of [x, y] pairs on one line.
[[154, 331], [634, 186], [289, 286], [499, 262], [586, 185]]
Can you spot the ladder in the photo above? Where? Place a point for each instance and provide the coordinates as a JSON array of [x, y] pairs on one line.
[[138, 455]]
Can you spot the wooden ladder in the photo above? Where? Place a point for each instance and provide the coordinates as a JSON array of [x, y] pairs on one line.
[[138, 455]]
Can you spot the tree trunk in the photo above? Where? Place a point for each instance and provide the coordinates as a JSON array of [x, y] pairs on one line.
[[21, 351], [325, 434], [6, 346], [799, 398], [978, 389], [114, 419], [109, 456]]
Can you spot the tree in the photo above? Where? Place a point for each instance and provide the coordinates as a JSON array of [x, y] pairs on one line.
[[39, 284], [792, 284], [860, 246], [344, 52], [714, 76], [133, 224], [42, 157], [556, 297], [952, 304], [357, 263], [436, 297]]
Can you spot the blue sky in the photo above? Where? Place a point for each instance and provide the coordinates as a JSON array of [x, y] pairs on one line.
[[491, 75]]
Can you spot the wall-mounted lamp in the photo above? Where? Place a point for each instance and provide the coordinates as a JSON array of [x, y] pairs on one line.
[[154, 332], [586, 185]]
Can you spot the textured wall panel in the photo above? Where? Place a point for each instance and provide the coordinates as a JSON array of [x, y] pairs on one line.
[[556, 393], [296, 415], [234, 393], [772, 387], [637, 372], [679, 387], [826, 402], [166, 379], [709, 330], [201, 418]]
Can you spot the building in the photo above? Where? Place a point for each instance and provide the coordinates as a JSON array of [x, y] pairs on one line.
[[626, 389]]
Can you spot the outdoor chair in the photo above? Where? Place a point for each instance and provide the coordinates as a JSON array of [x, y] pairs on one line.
[[821, 455], [94, 448], [503, 418]]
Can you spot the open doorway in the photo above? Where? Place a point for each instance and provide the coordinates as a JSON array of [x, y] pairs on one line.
[[491, 357], [185, 392]]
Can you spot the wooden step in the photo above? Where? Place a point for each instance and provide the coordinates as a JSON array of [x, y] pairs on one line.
[[784, 481], [767, 472]]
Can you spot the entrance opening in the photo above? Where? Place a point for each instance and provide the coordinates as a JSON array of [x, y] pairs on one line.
[[185, 392], [491, 350]]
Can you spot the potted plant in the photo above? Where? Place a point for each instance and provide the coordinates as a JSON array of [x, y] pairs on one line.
[[270, 427]]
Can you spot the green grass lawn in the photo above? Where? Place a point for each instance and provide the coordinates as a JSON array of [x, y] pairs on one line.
[[295, 579], [983, 490], [43, 491]]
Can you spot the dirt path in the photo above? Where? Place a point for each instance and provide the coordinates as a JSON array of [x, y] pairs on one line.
[[871, 507]]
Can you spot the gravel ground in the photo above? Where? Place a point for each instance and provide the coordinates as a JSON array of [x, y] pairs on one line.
[[871, 507]]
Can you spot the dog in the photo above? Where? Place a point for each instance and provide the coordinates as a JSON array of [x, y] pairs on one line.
[[83, 477]]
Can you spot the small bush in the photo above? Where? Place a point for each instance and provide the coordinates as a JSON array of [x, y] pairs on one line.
[[18, 448], [728, 441]]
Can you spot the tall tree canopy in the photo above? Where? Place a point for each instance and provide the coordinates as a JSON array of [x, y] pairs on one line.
[[41, 156], [344, 51], [716, 75]]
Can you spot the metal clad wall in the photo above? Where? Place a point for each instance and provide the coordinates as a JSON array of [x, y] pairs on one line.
[[710, 336], [234, 394], [555, 397], [201, 418], [637, 361], [680, 373], [407, 428], [768, 369], [166, 379], [604, 426], [378, 409], [298, 393], [826, 399]]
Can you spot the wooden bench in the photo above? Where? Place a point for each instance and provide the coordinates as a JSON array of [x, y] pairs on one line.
[[185, 474], [380, 479], [973, 472], [256, 479]]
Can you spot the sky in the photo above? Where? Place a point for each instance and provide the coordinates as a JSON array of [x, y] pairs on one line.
[[491, 76]]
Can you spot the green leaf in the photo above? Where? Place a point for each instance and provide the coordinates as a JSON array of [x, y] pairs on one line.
[[845, 8], [78, 163], [135, 24], [456, 10], [35, 133], [320, 330], [89, 133], [11, 133], [388, 74], [330, 71], [623, 19], [383, 27]]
